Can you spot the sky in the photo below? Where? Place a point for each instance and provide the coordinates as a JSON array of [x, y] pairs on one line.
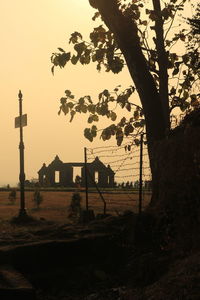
[[30, 31]]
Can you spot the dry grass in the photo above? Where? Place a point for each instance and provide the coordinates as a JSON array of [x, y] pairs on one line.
[[55, 204]]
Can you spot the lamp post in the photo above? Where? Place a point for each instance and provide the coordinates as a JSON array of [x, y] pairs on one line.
[[20, 122]]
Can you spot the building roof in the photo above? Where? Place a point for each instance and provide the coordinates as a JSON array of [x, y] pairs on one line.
[[57, 163]]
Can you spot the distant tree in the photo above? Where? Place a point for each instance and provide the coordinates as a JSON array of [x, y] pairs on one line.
[[136, 184]]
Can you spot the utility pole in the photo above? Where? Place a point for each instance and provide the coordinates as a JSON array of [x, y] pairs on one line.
[[20, 122], [86, 179]]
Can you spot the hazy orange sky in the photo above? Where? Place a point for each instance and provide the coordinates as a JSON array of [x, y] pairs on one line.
[[30, 31]]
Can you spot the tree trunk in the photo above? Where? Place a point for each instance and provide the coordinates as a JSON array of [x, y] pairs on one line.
[[162, 62]]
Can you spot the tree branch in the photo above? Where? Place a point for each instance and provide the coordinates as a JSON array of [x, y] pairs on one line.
[[126, 35], [162, 60]]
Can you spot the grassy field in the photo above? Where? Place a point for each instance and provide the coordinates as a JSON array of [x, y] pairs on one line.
[[55, 204]]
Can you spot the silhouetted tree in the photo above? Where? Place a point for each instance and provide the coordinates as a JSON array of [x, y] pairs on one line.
[[151, 61]]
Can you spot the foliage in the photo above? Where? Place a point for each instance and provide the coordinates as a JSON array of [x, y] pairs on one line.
[[37, 198], [103, 50], [75, 206], [12, 196], [195, 21], [193, 41]]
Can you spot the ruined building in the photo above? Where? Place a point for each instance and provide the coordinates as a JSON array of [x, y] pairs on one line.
[[59, 174]]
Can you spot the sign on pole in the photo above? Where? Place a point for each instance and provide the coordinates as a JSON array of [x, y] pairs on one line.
[[23, 121]]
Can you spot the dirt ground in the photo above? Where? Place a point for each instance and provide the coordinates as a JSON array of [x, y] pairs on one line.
[[55, 204], [102, 261]]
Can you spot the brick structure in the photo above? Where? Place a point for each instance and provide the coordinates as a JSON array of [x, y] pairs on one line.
[[59, 174]]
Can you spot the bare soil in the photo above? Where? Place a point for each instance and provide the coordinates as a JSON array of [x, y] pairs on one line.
[[109, 259], [55, 204]]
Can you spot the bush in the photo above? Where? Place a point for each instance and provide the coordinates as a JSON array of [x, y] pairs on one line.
[[37, 198], [75, 206], [12, 196]]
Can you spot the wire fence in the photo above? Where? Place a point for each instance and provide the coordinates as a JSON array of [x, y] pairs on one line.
[[131, 188]]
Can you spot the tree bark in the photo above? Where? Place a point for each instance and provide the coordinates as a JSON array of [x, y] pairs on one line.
[[162, 61]]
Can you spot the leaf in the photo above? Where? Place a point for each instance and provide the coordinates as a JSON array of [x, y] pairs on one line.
[[128, 129], [83, 108], [63, 100], [74, 59], [94, 131], [106, 134], [116, 65], [91, 108], [96, 15], [113, 115], [88, 135], [122, 122], [80, 48], [128, 106], [95, 118], [81, 101], [63, 59], [70, 105], [106, 93], [119, 136], [74, 37], [65, 109], [72, 115], [67, 93], [61, 50], [90, 119]]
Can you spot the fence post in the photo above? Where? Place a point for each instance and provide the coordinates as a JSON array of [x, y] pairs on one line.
[[86, 179], [100, 193], [140, 178]]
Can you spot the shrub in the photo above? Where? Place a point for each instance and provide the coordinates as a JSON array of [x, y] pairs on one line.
[[12, 196], [37, 198], [75, 206]]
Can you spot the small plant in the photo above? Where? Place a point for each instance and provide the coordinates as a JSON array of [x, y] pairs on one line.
[[12, 196], [75, 206], [37, 198]]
